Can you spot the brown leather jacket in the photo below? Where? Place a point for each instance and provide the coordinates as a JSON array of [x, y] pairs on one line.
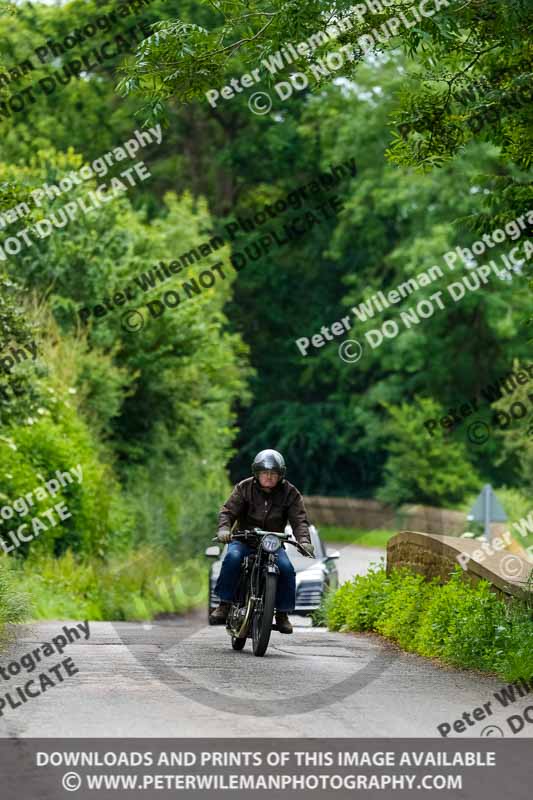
[[251, 507]]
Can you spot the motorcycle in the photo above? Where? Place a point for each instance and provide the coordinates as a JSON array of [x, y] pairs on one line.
[[252, 611]]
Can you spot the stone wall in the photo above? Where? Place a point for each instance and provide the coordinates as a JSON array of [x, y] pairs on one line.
[[436, 556], [346, 512]]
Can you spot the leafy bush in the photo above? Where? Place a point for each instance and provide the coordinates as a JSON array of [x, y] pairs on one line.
[[408, 598], [422, 468], [516, 654], [467, 626], [176, 501], [319, 617], [462, 624], [47, 430], [516, 437], [150, 417], [146, 583], [31, 454], [14, 604], [358, 603]]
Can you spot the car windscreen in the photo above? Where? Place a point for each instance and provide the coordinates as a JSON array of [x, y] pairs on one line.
[[301, 562]]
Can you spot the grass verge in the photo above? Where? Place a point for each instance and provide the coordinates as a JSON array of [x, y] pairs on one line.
[[14, 604], [377, 538], [461, 625], [136, 586]]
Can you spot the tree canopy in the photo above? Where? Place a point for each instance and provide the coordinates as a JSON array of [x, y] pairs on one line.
[[434, 122]]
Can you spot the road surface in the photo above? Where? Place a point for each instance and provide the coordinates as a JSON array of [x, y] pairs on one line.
[[178, 677], [355, 560]]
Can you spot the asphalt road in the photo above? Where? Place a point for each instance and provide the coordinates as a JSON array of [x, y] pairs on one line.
[[355, 560], [179, 677]]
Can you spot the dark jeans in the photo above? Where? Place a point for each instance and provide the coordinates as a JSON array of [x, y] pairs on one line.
[[229, 576]]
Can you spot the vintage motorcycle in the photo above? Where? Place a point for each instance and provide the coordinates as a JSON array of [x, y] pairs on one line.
[[252, 611]]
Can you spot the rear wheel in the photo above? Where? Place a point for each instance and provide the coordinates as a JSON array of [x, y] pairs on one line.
[[262, 620], [236, 643]]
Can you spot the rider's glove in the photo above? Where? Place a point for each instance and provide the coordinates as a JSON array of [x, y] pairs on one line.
[[309, 549], [224, 535]]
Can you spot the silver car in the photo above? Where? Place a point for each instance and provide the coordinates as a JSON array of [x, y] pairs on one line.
[[313, 576]]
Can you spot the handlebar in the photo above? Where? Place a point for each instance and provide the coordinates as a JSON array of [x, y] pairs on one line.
[[257, 533]]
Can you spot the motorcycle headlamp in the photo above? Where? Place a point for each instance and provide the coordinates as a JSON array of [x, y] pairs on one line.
[[271, 543]]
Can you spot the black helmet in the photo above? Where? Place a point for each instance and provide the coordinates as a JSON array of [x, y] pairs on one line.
[[269, 459]]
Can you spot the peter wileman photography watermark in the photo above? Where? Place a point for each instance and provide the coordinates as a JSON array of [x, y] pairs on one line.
[[512, 262], [261, 102], [506, 696], [192, 584], [104, 193], [507, 383], [511, 566], [457, 291], [54, 48], [124, 42], [478, 431], [270, 238], [40, 683], [17, 355], [22, 504]]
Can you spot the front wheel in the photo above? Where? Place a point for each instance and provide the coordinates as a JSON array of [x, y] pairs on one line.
[[262, 620]]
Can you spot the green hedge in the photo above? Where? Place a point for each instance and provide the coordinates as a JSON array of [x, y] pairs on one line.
[[14, 604], [30, 455], [460, 624], [138, 586]]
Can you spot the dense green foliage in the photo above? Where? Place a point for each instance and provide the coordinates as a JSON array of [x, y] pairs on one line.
[[514, 428], [395, 223], [14, 604], [136, 587], [459, 624], [428, 468], [156, 418], [148, 416], [467, 63]]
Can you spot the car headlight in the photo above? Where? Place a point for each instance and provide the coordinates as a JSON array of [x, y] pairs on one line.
[[270, 543]]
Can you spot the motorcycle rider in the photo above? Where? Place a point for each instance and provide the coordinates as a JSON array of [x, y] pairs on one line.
[[267, 501]]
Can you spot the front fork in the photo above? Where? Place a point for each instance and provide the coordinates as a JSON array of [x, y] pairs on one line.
[[270, 567], [255, 598]]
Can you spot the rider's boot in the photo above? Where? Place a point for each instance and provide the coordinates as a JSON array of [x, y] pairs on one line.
[[220, 613], [282, 622]]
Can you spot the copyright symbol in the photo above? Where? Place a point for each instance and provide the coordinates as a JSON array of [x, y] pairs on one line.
[[492, 730], [71, 781], [132, 321], [511, 566], [346, 347], [256, 104], [478, 432]]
